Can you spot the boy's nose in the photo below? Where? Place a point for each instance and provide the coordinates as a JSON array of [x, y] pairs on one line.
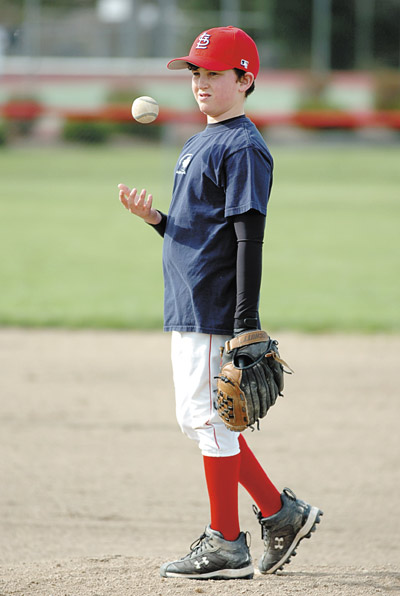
[[203, 82]]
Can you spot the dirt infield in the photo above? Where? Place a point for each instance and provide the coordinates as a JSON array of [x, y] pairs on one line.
[[98, 486]]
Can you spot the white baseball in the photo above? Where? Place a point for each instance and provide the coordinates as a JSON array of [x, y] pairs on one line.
[[145, 109]]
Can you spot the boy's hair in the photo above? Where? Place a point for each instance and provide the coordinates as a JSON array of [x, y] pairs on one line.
[[239, 73]]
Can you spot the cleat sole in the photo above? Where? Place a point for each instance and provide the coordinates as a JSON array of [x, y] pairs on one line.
[[220, 574]]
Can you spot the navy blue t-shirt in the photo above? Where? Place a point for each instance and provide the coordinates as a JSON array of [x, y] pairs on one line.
[[224, 170]]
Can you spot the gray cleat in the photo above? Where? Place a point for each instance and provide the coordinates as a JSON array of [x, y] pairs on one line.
[[212, 557], [283, 531]]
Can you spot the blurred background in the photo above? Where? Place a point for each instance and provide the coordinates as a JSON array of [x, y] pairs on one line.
[[327, 64], [327, 101]]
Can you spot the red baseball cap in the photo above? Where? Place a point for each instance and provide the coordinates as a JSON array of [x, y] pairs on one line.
[[221, 48]]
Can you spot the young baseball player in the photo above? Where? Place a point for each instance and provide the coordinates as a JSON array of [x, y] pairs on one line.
[[212, 259]]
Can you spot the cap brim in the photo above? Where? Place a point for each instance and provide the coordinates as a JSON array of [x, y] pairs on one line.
[[178, 63], [202, 62]]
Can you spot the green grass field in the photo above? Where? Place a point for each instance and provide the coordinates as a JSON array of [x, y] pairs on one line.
[[73, 257]]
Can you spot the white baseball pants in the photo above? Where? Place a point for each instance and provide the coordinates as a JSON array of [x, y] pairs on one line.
[[196, 361]]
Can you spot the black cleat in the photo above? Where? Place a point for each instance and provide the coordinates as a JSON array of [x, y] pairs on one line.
[[283, 531], [213, 557]]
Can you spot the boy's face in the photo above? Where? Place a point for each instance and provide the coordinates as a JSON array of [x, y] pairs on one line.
[[219, 94]]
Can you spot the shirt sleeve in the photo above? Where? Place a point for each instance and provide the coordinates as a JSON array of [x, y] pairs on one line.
[[248, 181], [249, 229]]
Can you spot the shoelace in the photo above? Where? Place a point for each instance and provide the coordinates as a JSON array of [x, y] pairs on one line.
[[200, 544], [259, 516]]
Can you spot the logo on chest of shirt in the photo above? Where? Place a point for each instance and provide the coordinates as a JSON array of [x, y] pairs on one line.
[[184, 163]]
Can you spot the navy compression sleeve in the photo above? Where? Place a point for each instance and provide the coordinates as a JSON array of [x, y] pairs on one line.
[[249, 229]]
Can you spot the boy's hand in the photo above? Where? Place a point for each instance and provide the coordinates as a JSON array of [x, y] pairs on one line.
[[138, 205]]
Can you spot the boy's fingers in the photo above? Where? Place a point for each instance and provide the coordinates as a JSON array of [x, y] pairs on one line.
[[141, 199], [133, 202], [122, 198], [131, 198], [124, 188]]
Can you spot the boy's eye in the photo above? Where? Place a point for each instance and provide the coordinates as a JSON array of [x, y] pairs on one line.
[[195, 73]]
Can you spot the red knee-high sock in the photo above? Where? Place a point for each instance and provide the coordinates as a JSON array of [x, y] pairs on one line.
[[253, 478], [222, 477]]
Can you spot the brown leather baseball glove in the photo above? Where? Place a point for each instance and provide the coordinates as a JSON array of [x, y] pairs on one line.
[[250, 380]]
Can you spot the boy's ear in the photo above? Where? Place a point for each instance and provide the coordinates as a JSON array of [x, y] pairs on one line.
[[246, 81]]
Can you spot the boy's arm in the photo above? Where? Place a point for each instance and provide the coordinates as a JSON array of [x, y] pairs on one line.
[[249, 229]]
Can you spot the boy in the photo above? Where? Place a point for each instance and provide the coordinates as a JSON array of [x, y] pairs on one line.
[[212, 258]]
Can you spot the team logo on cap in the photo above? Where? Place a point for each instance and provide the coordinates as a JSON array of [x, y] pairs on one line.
[[244, 63], [203, 41]]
